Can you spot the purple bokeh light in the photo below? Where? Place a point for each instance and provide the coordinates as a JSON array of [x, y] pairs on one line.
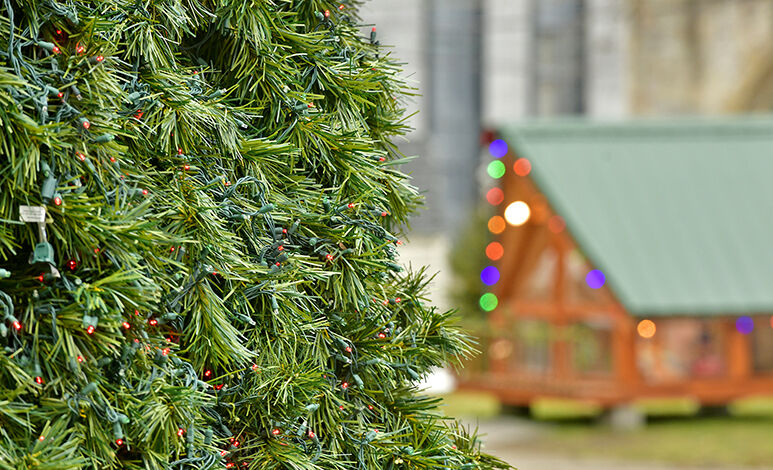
[[595, 279], [489, 275], [498, 148], [744, 325]]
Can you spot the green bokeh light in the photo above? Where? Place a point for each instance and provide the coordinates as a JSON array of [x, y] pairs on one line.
[[496, 169], [488, 301]]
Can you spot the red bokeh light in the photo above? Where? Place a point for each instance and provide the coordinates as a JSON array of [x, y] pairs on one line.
[[494, 251], [495, 196], [522, 167], [556, 224]]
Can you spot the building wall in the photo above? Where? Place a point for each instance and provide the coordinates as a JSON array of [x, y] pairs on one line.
[[701, 56]]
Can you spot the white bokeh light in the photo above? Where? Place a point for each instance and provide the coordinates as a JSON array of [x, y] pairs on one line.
[[517, 213]]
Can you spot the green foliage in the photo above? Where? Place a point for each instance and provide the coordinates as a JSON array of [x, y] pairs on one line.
[[223, 206], [467, 260]]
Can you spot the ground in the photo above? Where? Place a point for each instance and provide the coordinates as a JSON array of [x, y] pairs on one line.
[[529, 445], [738, 441]]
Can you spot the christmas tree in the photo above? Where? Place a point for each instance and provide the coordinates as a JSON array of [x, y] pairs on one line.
[[199, 210]]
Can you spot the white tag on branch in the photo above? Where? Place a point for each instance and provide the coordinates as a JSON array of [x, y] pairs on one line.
[[32, 214]]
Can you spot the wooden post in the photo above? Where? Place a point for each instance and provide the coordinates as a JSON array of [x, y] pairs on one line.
[[560, 347], [738, 351], [624, 356]]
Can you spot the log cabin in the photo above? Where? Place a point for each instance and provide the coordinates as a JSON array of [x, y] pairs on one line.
[[629, 261]]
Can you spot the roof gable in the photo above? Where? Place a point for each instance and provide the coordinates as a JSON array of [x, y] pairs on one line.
[[678, 214]]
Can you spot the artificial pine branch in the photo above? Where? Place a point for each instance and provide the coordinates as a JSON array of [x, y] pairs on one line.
[[216, 282]]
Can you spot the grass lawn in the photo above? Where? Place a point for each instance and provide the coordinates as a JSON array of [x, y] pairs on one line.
[[674, 434]]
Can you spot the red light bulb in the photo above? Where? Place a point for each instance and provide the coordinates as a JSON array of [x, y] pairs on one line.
[[398, 300], [345, 385], [126, 325], [348, 349], [186, 167], [384, 214], [80, 49], [144, 192], [329, 257], [276, 431], [254, 367], [180, 432], [381, 335], [327, 13], [40, 278], [119, 442], [207, 373], [100, 58], [165, 351], [312, 435], [57, 201], [90, 329], [56, 50], [39, 380], [381, 159], [72, 264], [17, 325], [179, 151], [86, 124], [80, 358], [60, 95], [370, 407], [350, 205]]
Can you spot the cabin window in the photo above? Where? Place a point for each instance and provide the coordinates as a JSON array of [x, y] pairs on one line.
[[532, 346], [577, 269], [591, 345], [540, 282], [762, 344], [682, 349]]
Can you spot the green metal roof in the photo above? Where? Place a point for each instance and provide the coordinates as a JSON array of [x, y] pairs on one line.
[[678, 214]]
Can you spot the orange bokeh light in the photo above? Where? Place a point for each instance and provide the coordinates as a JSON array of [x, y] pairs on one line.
[[522, 167], [494, 251], [496, 224], [495, 196], [646, 328], [556, 224]]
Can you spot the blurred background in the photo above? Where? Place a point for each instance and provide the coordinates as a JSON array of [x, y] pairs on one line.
[[550, 130]]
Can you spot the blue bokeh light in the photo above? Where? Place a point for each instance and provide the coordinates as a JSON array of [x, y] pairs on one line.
[[489, 275], [498, 148]]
